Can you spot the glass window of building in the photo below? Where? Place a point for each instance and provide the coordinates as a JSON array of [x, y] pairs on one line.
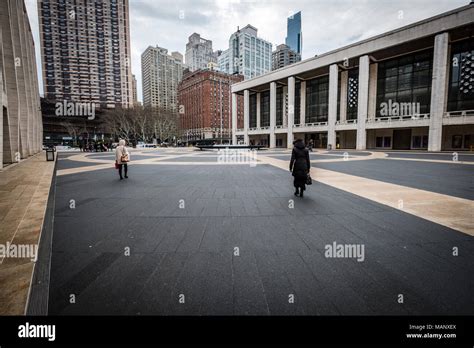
[[253, 110], [297, 105], [461, 79], [265, 109], [405, 79], [279, 106], [339, 89], [317, 96], [352, 94]]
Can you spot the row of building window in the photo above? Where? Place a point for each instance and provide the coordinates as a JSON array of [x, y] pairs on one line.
[[404, 79]]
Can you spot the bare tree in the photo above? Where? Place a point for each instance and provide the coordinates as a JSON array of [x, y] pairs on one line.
[[73, 129], [119, 123], [140, 124], [141, 118]]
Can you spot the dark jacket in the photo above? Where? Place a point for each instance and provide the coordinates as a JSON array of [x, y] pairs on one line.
[[299, 164]]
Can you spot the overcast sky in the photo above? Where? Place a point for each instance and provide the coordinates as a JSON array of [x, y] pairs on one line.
[[326, 24]]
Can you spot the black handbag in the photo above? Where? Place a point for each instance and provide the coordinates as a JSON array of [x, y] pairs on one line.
[[309, 181]]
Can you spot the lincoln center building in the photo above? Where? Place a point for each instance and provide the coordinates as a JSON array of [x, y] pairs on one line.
[[410, 88]]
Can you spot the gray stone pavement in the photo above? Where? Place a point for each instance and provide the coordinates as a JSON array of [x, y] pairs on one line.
[[465, 157], [190, 250], [447, 178]]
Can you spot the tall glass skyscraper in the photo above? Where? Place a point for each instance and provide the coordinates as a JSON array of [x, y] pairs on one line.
[[247, 54], [294, 38]]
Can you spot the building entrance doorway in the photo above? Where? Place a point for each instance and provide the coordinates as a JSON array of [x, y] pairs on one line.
[[320, 140], [401, 139]]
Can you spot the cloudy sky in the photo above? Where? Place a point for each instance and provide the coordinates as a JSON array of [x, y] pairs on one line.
[[326, 24]]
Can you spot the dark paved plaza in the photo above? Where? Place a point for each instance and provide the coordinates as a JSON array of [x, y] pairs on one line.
[[209, 239]]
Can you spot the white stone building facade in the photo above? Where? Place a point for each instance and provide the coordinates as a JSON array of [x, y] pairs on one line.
[[410, 88]]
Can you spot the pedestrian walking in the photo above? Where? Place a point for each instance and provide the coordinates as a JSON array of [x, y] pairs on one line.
[[122, 157], [300, 166], [310, 145]]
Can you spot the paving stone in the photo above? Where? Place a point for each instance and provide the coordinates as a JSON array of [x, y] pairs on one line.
[[281, 250]]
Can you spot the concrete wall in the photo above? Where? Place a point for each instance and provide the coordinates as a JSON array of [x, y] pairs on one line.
[[21, 135]]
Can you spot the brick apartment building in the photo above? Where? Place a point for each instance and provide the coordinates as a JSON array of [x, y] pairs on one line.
[[205, 106]]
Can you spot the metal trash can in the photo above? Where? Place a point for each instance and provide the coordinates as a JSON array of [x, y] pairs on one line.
[[50, 154]]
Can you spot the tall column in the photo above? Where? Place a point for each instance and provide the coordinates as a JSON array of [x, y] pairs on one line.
[[31, 58], [11, 133], [291, 111], [27, 73], [259, 118], [234, 118], [363, 102], [303, 103], [332, 105], [438, 91], [39, 120], [343, 100], [20, 79], [372, 108], [272, 114], [1, 101], [246, 116]]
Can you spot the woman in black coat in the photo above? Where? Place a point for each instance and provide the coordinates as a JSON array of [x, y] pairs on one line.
[[299, 166]]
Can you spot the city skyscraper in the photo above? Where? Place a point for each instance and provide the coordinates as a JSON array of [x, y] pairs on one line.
[[284, 56], [134, 89], [161, 74], [199, 52], [294, 36], [247, 55], [86, 51]]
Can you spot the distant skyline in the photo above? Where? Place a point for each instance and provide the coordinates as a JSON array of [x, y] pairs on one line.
[[326, 25]]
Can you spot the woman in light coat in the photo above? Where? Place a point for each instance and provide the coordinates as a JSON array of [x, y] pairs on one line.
[[122, 157]]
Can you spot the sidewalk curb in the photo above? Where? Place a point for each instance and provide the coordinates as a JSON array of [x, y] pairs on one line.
[[38, 295]]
